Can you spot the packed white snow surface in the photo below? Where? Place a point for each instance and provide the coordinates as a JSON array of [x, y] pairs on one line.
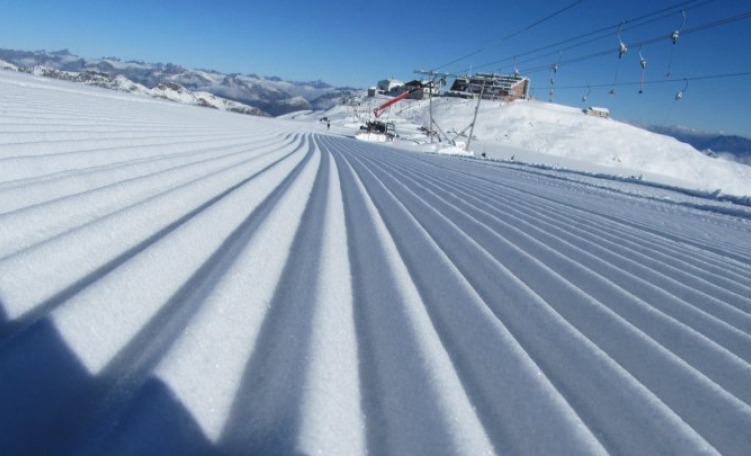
[[551, 135], [179, 280]]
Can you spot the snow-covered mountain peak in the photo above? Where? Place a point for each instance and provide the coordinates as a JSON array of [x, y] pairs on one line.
[[269, 95]]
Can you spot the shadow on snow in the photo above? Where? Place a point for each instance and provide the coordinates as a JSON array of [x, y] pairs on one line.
[[45, 389], [51, 404]]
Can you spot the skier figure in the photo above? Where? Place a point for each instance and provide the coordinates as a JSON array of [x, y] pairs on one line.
[[328, 125]]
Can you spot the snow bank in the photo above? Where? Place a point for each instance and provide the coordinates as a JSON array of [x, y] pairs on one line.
[[566, 132]]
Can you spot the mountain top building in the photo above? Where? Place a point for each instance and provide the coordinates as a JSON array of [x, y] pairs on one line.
[[497, 87]]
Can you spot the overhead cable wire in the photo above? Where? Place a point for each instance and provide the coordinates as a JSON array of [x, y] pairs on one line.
[[508, 37], [659, 81], [698, 28], [608, 34], [604, 32]]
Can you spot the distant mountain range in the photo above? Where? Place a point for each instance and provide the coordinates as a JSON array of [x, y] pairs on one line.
[[731, 147], [249, 94]]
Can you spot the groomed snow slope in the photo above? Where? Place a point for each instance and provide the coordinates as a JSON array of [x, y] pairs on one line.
[[552, 135], [186, 281]]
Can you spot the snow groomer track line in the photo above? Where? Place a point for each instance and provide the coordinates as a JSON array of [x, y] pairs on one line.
[[176, 280]]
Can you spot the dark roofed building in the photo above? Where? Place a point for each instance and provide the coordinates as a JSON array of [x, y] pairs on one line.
[[497, 87]]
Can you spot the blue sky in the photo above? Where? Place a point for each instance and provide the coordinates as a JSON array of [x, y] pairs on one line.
[[356, 43]]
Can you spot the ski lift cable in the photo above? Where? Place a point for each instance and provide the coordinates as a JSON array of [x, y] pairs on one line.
[[627, 27], [605, 35], [660, 81], [606, 31], [718, 23], [511, 35], [597, 38], [707, 26]]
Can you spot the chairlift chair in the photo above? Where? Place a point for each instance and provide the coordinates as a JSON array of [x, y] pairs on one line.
[[679, 95], [677, 33], [622, 48], [643, 64]]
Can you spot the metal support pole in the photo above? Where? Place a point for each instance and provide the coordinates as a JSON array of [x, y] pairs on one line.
[[430, 102], [477, 109], [452, 142], [432, 75]]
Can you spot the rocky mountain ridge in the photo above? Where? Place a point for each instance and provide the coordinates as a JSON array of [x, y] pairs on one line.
[[249, 94]]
